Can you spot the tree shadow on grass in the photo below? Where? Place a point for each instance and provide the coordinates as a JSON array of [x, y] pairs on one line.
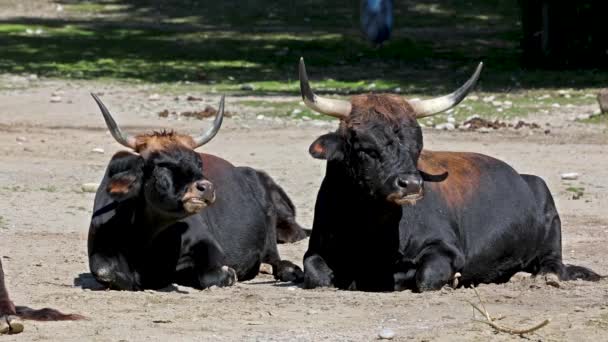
[[435, 47]]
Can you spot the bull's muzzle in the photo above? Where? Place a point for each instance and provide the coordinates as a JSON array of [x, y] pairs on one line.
[[409, 189], [200, 195]]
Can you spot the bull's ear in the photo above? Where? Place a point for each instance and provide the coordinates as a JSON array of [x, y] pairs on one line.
[[328, 147], [430, 169], [125, 172]]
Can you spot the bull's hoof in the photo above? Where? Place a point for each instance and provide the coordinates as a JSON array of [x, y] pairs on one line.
[[10, 324], [289, 272], [229, 276], [455, 279]]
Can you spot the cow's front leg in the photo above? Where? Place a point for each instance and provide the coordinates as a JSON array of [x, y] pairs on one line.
[[222, 276], [9, 322], [316, 272], [434, 272], [209, 265], [113, 272]]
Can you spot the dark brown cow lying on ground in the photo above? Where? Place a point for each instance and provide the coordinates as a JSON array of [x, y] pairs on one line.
[[391, 216], [166, 214], [10, 315]]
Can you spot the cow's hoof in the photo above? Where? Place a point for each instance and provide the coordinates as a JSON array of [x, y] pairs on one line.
[[10, 324], [229, 276], [289, 272], [455, 279], [315, 281], [552, 279]]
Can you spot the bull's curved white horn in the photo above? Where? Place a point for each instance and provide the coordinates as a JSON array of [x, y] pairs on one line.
[[122, 138], [211, 132], [336, 108], [439, 104]]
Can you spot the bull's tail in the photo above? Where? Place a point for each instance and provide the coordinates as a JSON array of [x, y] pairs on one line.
[[45, 314], [573, 272]]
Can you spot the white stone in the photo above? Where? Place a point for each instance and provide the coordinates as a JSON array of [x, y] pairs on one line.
[[569, 176], [98, 150], [154, 97], [583, 117], [89, 187], [56, 99], [446, 126], [386, 334]]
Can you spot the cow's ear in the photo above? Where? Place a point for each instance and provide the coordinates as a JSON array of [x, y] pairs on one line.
[[125, 172], [328, 147], [431, 170]]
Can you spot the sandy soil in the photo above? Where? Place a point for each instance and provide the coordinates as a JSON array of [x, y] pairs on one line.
[[45, 156]]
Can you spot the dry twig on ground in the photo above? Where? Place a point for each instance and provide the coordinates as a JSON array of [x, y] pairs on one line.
[[491, 321]]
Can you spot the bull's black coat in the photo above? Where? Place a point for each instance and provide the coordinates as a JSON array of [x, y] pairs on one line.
[[137, 242], [477, 216]]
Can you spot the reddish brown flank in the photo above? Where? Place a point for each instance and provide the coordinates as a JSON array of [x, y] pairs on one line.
[[463, 174]]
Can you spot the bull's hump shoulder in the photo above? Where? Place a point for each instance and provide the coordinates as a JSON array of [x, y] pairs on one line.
[[214, 164], [454, 162], [464, 171]]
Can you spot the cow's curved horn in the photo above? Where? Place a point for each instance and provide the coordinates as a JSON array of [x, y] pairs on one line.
[[439, 104], [119, 136], [336, 108], [211, 132]]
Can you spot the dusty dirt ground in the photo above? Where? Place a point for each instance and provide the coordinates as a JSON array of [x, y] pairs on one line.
[[45, 156]]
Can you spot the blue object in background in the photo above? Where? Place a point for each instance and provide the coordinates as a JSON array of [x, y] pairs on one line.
[[377, 20]]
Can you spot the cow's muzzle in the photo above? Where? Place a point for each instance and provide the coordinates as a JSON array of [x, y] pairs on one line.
[[409, 189], [200, 195]]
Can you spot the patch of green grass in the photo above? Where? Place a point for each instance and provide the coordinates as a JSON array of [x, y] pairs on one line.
[[3, 223], [291, 109], [224, 44], [14, 188], [512, 105], [597, 119], [576, 191]]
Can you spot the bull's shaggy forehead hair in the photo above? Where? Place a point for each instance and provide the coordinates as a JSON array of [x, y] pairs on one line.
[[387, 108], [162, 140]]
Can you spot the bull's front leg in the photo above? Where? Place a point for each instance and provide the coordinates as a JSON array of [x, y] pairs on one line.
[[316, 272], [209, 265], [9, 322], [434, 272], [114, 272]]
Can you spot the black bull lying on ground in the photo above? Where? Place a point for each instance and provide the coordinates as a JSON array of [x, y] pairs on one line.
[[391, 216], [165, 214]]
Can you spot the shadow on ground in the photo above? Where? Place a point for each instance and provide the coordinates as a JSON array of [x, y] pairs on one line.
[[435, 46]]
